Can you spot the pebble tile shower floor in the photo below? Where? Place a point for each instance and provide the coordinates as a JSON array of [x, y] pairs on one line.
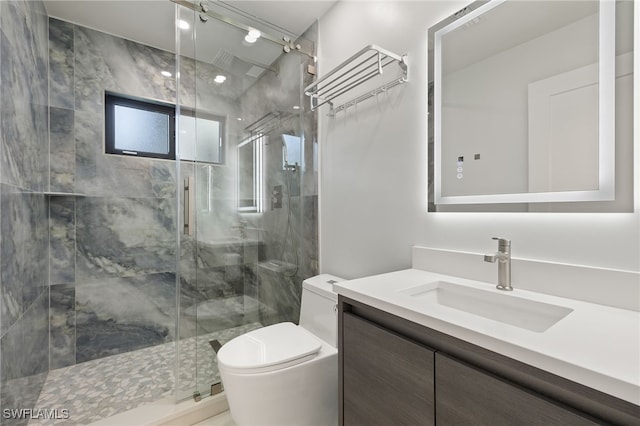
[[101, 388]]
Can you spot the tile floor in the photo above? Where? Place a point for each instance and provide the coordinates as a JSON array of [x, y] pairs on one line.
[[97, 389]]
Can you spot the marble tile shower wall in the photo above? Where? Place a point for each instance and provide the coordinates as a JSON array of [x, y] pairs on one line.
[[24, 302], [113, 249], [291, 231]]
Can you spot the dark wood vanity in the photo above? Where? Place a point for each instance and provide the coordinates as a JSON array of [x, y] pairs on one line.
[[396, 372]]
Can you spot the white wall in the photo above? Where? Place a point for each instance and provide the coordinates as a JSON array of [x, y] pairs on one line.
[[373, 179]]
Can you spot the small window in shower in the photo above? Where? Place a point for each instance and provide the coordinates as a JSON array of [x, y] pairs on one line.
[[139, 127]]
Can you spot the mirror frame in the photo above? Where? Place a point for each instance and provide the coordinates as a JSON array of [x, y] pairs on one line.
[[257, 143], [606, 114]]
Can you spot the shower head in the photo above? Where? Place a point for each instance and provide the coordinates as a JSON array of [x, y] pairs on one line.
[[236, 65]]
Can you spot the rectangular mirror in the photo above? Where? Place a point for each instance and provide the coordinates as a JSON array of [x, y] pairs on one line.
[[250, 174], [523, 108], [291, 152]]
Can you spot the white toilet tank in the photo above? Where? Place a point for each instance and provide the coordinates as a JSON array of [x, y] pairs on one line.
[[318, 313]]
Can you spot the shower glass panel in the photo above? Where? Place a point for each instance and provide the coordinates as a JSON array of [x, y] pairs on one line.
[[240, 269], [207, 133]]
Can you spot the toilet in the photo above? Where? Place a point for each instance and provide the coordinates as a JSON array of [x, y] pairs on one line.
[[287, 374]]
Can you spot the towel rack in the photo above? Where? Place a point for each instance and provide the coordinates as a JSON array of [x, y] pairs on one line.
[[269, 122], [366, 64]]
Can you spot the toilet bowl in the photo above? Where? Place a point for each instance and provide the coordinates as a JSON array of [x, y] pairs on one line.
[[287, 374]]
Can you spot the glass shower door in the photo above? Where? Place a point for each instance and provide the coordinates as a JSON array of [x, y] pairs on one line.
[[241, 143]]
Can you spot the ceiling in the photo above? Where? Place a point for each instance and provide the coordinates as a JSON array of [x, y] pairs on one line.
[[151, 22]]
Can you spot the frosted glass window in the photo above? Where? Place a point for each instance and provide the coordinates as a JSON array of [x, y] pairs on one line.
[[140, 130], [201, 138], [138, 127]]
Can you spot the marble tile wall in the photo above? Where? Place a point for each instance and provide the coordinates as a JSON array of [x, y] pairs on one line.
[[118, 240], [112, 249], [24, 159], [24, 122], [291, 231]]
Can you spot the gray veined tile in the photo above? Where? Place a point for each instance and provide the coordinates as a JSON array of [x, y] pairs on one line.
[[22, 252], [88, 139], [62, 328], [61, 64], [119, 237], [105, 62], [62, 150], [91, 73], [24, 152], [24, 120], [24, 357], [98, 174], [162, 176], [62, 240], [24, 29], [35, 359], [123, 314]]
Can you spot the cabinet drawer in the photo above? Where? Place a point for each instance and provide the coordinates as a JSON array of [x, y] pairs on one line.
[[469, 396], [387, 379]]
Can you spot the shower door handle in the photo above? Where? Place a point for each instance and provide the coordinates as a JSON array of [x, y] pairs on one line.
[[189, 205]]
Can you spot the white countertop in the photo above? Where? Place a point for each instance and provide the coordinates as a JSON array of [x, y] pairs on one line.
[[595, 345]]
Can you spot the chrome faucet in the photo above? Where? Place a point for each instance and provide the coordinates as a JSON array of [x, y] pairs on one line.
[[503, 256]]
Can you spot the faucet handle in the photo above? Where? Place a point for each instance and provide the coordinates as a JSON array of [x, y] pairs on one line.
[[491, 258], [503, 243]]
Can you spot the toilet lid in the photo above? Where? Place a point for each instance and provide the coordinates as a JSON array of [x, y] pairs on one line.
[[269, 348]]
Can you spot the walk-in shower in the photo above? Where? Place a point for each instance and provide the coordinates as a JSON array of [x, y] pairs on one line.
[[155, 261]]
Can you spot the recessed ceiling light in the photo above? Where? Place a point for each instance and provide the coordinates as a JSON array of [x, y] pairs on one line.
[[296, 107], [239, 118], [252, 35], [219, 78], [183, 25], [166, 73]]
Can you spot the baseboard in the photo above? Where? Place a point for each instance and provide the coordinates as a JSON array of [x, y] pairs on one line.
[[168, 413]]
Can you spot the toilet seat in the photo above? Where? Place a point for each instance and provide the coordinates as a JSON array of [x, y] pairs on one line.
[[269, 349]]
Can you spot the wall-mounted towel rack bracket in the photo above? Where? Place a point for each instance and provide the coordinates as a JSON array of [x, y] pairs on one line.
[[365, 65]]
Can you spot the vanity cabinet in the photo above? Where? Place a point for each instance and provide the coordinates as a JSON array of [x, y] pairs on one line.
[[387, 379], [469, 396], [396, 372]]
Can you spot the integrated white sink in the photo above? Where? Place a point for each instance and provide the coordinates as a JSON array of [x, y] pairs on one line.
[[491, 304]]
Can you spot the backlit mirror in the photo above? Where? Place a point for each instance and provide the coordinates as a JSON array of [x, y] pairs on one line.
[[523, 106], [250, 174]]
